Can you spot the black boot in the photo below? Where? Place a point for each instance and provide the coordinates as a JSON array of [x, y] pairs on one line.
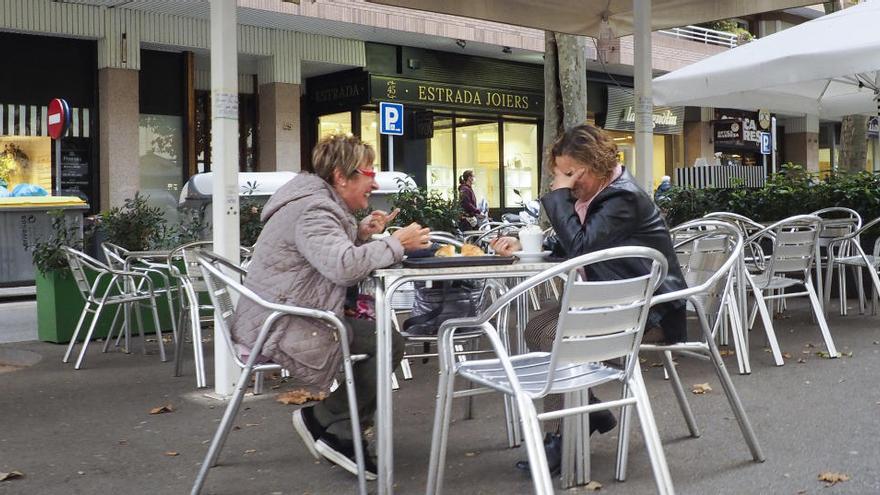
[[553, 451], [601, 421]]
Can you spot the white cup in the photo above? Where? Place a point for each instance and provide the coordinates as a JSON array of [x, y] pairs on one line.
[[532, 240]]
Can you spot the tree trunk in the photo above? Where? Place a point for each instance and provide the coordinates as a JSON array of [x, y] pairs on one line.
[[565, 90], [853, 128], [853, 143]]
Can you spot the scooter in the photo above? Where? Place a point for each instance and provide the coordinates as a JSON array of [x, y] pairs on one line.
[[530, 213]]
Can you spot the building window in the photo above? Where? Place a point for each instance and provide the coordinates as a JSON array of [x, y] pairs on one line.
[[247, 132], [521, 159], [476, 148], [161, 161], [334, 123], [370, 134], [441, 164]]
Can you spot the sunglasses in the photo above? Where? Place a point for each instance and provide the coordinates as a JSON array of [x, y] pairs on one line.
[[367, 173]]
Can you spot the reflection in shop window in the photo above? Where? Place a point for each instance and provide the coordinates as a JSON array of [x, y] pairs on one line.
[[520, 163], [161, 167], [441, 173], [25, 160], [370, 134], [335, 123]]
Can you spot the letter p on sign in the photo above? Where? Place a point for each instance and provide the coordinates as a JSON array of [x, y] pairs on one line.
[[391, 118]]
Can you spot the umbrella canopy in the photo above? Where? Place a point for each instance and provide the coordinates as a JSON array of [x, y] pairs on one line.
[[826, 67], [585, 17]]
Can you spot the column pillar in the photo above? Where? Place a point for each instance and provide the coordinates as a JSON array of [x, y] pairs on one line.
[[118, 115], [802, 142], [279, 127]]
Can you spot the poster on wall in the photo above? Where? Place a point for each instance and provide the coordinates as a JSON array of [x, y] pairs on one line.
[[76, 167]]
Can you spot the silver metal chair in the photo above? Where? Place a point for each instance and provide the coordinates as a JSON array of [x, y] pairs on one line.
[[120, 258], [221, 286], [856, 258], [794, 247], [599, 321], [192, 312], [102, 286], [837, 222], [712, 252]]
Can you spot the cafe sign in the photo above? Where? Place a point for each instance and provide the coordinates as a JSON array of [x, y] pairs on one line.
[[873, 127], [440, 95], [622, 117]]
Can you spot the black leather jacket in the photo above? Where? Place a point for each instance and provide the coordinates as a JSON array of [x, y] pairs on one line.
[[622, 214]]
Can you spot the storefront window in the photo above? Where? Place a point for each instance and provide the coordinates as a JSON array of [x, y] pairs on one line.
[[476, 148], [25, 160], [370, 134], [521, 159], [441, 174], [161, 157], [335, 123]]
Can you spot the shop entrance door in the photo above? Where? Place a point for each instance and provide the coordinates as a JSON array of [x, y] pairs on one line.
[[476, 148]]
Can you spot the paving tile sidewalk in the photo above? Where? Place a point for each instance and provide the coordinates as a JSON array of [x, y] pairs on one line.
[[90, 431]]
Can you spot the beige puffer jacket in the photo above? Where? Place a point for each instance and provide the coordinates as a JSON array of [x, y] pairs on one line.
[[307, 255]]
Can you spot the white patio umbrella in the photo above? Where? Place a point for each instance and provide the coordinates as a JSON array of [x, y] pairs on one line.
[[826, 67], [621, 18]]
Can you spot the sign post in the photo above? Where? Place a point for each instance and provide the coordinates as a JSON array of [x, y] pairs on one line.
[[766, 149], [391, 124], [58, 116]]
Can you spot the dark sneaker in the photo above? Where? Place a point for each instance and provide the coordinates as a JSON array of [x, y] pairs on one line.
[[553, 451], [341, 452], [308, 427]]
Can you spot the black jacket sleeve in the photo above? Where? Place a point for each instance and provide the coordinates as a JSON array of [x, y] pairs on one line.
[[609, 222]]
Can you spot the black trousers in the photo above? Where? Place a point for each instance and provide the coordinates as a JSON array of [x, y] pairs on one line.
[[332, 412]]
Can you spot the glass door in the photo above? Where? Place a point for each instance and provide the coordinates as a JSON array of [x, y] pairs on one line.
[[441, 163], [521, 158]]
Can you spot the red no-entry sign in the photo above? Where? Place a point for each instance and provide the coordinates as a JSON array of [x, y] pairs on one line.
[[58, 117]]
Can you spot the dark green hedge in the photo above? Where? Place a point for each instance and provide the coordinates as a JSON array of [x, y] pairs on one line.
[[790, 192]]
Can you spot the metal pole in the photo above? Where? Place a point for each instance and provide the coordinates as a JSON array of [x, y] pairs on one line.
[[765, 165], [57, 167], [643, 104], [390, 153], [773, 142], [224, 161]]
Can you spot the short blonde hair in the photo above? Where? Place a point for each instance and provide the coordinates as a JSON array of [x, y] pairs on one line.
[[590, 146], [344, 152]]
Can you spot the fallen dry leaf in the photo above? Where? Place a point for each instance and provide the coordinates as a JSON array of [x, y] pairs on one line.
[[801, 360], [167, 408], [658, 364], [250, 451], [11, 475], [727, 352], [298, 397], [172, 453], [786, 355], [833, 478], [593, 486], [470, 454], [701, 388], [809, 344], [252, 424], [825, 355], [805, 352]]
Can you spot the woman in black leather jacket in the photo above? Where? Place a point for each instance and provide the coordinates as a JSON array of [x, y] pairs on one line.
[[595, 204]]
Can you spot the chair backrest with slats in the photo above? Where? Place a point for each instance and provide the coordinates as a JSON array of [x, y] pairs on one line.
[[794, 246], [115, 255], [220, 291], [837, 221], [602, 320], [705, 246], [80, 265]]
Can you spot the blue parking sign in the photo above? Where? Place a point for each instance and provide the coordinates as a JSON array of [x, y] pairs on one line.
[[765, 143], [391, 118]]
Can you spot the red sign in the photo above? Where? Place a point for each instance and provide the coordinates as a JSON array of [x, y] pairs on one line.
[[58, 118]]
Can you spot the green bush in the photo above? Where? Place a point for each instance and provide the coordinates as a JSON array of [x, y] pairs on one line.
[[793, 191], [136, 225], [48, 255], [427, 208]]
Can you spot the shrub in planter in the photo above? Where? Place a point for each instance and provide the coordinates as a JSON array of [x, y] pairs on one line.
[[427, 208]]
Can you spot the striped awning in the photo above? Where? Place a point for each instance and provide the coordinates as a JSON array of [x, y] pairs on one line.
[[30, 120]]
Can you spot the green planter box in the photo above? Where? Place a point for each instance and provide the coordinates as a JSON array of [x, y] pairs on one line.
[[59, 305]]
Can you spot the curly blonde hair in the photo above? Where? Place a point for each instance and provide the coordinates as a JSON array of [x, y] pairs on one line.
[[345, 152], [590, 146]]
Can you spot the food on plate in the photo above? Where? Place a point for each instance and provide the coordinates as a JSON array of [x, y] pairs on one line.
[[445, 251], [471, 250]]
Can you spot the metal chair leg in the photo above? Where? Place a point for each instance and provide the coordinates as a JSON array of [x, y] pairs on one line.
[[679, 394], [85, 345], [652, 436], [823, 325], [623, 437], [768, 326], [110, 332], [82, 316]]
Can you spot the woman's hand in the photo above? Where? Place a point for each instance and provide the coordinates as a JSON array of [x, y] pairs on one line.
[[565, 181], [413, 237], [375, 223], [505, 246]]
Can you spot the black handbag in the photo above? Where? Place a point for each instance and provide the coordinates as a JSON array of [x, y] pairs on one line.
[[445, 300]]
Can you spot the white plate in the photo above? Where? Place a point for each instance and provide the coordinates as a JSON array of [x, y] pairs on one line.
[[531, 257]]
